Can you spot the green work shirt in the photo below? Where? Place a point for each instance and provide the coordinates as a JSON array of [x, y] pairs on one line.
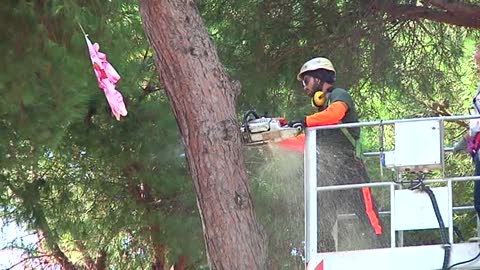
[[351, 116]]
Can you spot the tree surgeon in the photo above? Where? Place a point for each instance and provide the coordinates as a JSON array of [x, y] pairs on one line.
[[338, 159]]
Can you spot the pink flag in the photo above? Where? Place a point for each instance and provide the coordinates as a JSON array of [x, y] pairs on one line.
[[107, 78]]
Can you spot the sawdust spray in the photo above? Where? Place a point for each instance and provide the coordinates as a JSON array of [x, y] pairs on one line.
[[277, 181], [277, 187]]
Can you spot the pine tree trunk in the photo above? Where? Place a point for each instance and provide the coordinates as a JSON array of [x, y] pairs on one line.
[[203, 98]]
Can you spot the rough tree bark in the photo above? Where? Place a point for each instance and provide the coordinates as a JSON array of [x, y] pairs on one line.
[[203, 98]]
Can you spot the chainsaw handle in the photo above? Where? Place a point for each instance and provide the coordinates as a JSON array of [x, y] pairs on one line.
[[248, 114]]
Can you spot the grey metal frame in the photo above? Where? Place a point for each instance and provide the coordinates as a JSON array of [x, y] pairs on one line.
[[311, 191]]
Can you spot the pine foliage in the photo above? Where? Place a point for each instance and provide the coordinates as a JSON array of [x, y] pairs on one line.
[[119, 191]]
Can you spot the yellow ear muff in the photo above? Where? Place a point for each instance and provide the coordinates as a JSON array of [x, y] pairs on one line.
[[318, 99]]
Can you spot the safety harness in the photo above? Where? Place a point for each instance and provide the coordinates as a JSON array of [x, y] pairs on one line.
[[357, 146]]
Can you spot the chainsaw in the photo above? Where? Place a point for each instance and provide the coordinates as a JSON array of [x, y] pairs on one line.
[[258, 130]]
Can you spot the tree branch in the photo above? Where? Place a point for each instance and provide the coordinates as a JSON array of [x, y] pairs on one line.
[[41, 225], [27, 259], [466, 9], [58, 254], [460, 14], [101, 260], [87, 260]]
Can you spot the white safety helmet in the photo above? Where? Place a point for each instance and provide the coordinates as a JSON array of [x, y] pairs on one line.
[[314, 64]]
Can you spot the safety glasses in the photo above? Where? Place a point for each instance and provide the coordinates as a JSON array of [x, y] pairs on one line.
[[305, 81]]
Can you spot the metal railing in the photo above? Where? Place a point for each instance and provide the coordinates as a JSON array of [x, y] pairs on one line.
[[311, 190]]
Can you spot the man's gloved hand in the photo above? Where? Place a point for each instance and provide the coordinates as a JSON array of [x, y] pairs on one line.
[[300, 124]]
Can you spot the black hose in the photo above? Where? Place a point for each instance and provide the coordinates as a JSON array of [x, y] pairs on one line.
[[471, 260], [443, 232]]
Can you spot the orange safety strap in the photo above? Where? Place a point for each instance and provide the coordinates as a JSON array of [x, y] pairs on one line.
[[333, 114], [372, 216]]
